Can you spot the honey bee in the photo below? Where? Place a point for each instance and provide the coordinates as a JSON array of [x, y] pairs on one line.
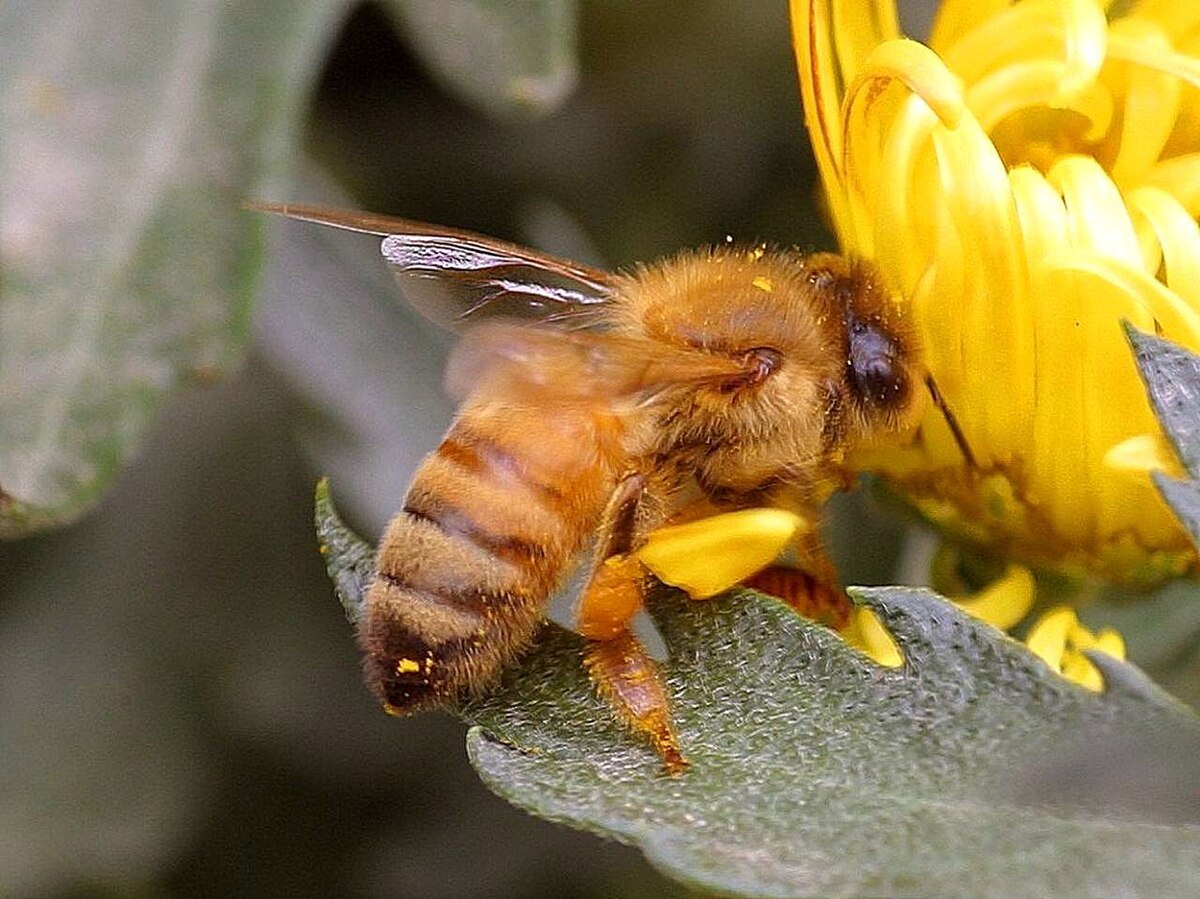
[[594, 408]]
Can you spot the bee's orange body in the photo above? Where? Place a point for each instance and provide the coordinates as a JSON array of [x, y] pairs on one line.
[[720, 379], [491, 523]]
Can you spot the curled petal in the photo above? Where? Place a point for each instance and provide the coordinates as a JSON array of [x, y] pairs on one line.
[[920, 70], [1037, 84], [1072, 33], [1004, 602], [1048, 638], [1178, 236], [867, 634], [709, 556]]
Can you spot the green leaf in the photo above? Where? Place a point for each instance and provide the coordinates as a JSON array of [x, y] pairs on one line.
[[814, 771], [132, 135], [1172, 376], [510, 59], [1184, 499], [349, 559]]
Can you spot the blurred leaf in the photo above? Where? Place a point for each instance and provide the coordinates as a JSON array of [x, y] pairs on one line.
[[510, 59], [814, 771], [132, 134], [332, 322]]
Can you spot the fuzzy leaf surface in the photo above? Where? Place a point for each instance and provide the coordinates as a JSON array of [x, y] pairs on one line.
[[815, 772]]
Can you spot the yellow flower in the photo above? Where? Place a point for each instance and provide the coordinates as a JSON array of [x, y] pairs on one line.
[[1024, 183], [1060, 641]]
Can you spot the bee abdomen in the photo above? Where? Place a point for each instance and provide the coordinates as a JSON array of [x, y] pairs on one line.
[[424, 649], [457, 523], [463, 573]]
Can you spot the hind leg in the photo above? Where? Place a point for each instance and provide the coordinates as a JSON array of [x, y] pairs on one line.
[[619, 666]]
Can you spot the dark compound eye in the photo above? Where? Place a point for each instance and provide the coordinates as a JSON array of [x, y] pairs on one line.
[[875, 374]]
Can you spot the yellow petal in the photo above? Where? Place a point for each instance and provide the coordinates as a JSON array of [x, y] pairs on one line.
[[1142, 454], [1073, 33], [1060, 640], [1134, 45], [1180, 177], [920, 70], [994, 301], [709, 556], [821, 92], [1030, 85], [1005, 601], [858, 26], [1048, 638], [1108, 641], [957, 18], [1152, 94], [1178, 236], [1078, 668], [1096, 211], [1177, 19], [868, 635], [1146, 302]]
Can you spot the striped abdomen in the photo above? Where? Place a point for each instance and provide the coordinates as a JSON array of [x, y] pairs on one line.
[[489, 526]]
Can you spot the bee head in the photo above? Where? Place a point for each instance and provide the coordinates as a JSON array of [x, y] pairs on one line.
[[881, 373]]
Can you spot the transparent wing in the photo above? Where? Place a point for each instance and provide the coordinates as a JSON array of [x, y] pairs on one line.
[[456, 277], [547, 365]]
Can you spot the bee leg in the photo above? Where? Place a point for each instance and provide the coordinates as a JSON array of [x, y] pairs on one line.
[[814, 599], [626, 676], [811, 587], [620, 667]]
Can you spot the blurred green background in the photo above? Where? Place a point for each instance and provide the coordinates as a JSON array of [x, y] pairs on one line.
[[180, 706]]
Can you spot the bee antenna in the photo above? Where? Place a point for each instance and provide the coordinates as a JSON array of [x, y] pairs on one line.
[[951, 422]]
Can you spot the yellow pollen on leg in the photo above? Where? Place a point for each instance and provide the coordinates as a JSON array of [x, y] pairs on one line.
[[766, 285], [407, 666]]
